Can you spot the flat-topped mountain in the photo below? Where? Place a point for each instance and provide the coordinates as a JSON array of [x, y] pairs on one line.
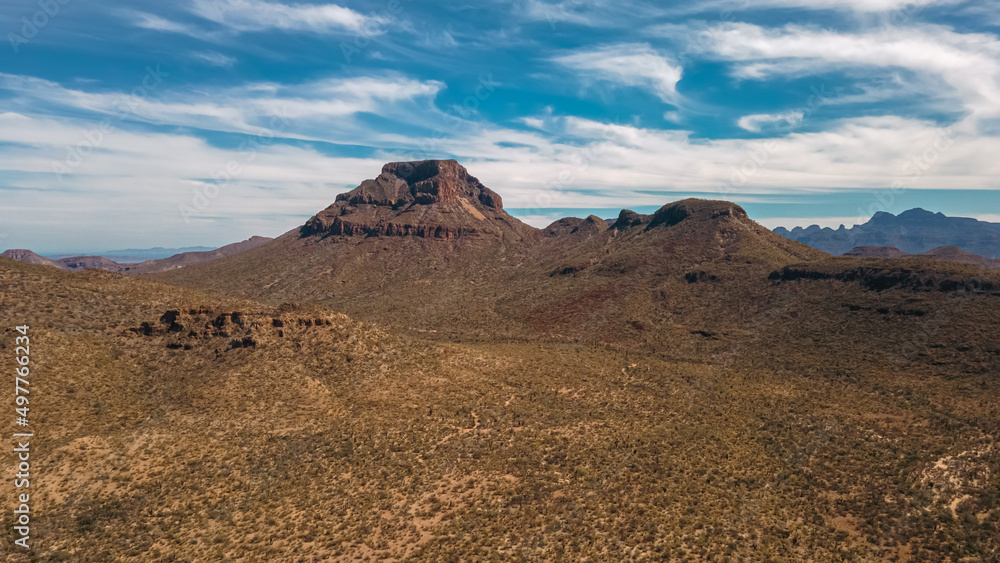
[[428, 199], [426, 245], [29, 257], [914, 231]]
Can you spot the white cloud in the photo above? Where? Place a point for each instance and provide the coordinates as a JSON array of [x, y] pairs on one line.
[[257, 15], [629, 64], [963, 64], [897, 10], [157, 23], [614, 165], [213, 58], [132, 179], [316, 110], [785, 120], [541, 221], [589, 13]]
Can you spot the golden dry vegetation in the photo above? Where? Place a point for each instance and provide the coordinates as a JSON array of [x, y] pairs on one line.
[[831, 422]]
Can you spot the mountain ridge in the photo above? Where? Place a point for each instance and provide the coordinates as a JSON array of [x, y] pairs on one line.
[[151, 266], [406, 238], [134, 255], [913, 231]]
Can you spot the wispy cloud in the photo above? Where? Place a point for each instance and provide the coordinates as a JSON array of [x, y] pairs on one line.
[[341, 121], [157, 23], [770, 121], [904, 7], [213, 58], [966, 64], [318, 108], [258, 15], [277, 187], [588, 13], [628, 64], [598, 165]]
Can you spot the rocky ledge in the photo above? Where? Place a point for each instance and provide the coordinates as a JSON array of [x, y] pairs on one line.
[[430, 199]]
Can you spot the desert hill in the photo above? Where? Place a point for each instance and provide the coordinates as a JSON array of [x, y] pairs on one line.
[[651, 278], [696, 279], [425, 246], [137, 255], [152, 266], [914, 232], [29, 257], [405, 247]]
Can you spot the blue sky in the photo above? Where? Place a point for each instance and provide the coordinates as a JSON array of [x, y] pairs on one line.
[[201, 122]]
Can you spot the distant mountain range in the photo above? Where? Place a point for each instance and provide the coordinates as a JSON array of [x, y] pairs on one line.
[[152, 266], [135, 255], [913, 232]]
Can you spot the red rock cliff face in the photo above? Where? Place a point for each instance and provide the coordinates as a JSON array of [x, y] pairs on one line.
[[429, 199]]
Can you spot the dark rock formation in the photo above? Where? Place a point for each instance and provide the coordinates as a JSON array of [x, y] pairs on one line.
[[673, 213], [575, 226], [881, 278], [628, 218], [700, 276], [435, 199]]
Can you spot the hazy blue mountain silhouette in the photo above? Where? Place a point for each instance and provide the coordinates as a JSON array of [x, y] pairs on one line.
[[913, 232]]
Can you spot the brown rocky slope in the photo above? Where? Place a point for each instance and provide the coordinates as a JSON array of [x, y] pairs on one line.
[[426, 247]]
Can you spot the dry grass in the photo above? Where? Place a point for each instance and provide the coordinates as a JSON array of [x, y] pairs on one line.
[[802, 423]]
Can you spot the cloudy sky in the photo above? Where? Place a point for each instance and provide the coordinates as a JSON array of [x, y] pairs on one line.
[[143, 123]]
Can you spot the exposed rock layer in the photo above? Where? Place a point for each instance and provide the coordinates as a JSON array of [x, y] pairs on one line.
[[435, 199]]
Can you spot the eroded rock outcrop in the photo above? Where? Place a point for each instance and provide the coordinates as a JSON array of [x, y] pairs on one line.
[[429, 199]]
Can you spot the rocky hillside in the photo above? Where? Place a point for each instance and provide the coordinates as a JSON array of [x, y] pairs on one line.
[[427, 199], [432, 241]]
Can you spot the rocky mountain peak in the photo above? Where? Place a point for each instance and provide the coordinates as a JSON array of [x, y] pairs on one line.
[[697, 209], [427, 198], [425, 182]]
